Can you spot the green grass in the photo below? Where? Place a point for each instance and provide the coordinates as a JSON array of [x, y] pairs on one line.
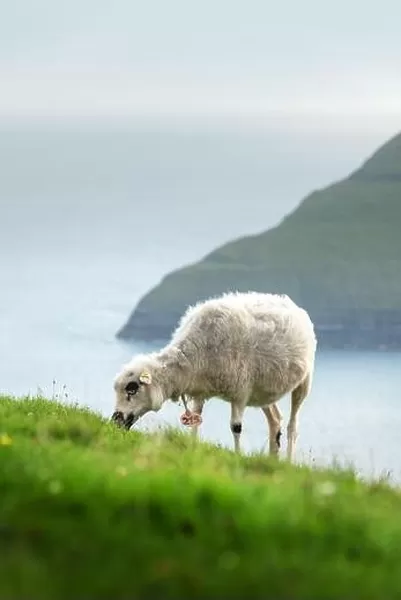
[[89, 511]]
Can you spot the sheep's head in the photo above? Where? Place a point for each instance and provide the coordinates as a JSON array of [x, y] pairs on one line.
[[136, 394]]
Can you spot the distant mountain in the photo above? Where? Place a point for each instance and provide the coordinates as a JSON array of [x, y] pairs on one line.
[[338, 255]]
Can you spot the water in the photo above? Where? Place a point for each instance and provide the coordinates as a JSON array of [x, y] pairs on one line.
[[91, 218]]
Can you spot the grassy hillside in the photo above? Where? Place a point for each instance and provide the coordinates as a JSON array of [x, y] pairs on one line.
[[88, 511], [338, 252]]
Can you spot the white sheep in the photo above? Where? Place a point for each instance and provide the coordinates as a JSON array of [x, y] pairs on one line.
[[249, 349]]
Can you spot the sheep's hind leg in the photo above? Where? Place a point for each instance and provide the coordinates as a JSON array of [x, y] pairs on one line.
[[274, 419], [297, 397], [237, 413]]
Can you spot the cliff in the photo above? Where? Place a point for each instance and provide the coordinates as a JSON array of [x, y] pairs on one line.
[[338, 255]]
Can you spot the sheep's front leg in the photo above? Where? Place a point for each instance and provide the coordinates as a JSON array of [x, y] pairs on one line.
[[237, 413], [197, 407], [274, 419]]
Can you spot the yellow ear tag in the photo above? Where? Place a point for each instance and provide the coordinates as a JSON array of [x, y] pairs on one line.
[[145, 378]]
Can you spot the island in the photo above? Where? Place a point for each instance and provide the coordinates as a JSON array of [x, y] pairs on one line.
[[338, 255]]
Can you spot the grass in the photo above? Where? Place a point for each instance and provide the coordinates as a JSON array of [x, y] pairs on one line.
[[91, 512]]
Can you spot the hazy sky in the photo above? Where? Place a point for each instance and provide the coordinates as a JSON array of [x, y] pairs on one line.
[[114, 57]]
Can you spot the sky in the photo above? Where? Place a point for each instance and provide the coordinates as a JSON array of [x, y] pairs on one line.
[[192, 57]]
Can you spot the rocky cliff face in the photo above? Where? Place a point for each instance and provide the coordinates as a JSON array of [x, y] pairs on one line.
[[338, 255]]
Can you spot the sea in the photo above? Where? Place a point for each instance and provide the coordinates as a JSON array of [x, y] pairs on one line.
[[94, 214]]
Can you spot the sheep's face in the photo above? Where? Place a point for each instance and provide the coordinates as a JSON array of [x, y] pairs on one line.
[[136, 394]]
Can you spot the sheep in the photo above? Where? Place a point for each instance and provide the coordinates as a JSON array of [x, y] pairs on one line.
[[249, 349]]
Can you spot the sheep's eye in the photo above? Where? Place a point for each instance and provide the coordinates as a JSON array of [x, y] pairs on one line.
[[131, 388]]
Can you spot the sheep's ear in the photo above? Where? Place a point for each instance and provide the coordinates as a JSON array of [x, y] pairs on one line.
[[145, 378]]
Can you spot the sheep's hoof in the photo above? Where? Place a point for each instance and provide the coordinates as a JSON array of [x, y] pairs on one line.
[[190, 419]]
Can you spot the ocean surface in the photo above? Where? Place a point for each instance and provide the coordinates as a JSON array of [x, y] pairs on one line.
[[92, 216]]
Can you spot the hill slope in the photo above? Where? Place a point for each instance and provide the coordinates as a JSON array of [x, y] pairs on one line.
[[89, 511], [338, 255]]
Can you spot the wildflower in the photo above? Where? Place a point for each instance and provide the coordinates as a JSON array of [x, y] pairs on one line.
[[5, 440]]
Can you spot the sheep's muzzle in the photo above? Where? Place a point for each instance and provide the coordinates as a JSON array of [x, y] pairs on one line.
[[118, 418], [121, 421]]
